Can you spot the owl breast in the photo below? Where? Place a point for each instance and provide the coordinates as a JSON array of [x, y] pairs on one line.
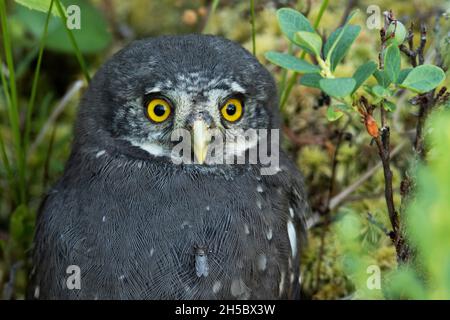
[[177, 237]]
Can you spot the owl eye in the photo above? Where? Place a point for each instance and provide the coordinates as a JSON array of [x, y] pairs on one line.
[[158, 110], [232, 110]]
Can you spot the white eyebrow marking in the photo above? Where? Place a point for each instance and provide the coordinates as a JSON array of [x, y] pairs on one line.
[[153, 90], [151, 147], [100, 153], [237, 87]]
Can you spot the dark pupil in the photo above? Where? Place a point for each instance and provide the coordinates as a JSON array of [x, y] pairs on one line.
[[159, 110], [231, 109]]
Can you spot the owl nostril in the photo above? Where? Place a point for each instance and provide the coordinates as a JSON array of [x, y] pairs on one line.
[[200, 115]]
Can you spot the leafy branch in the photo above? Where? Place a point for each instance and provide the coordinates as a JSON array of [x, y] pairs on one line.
[[354, 95]]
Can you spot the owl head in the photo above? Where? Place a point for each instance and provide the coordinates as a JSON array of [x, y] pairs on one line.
[[156, 86]]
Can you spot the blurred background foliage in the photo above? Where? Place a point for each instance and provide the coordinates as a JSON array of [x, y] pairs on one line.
[[342, 244]]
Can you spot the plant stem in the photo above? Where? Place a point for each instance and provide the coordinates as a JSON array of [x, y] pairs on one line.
[[383, 144], [325, 211], [73, 41], [322, 9], [287, 90], [6, 164], [344, 194], [384, 152], [284, 71], [252, 12], [211, 12], [426, 102], [36, 79]]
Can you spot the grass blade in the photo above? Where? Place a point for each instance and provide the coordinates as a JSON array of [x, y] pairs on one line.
[[13, 108], [36, 78], [73, 41], [211, 13], [252, 12], [7, 166]]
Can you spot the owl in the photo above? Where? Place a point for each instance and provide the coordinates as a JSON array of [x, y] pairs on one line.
[[129, 220]]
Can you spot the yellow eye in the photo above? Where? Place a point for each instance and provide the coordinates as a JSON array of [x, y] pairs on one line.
[[158, 110], [232, 110]]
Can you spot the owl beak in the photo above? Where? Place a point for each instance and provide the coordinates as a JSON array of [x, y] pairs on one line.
[[201, 140]]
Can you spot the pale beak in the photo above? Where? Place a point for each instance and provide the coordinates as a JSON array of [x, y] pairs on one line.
[[201, 140]]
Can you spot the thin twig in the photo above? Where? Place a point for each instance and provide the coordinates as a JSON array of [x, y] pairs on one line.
[[326, 208], [426, 101], [423, 42], [74, 89], [383, 141], [409, 51], [8, 289], [344, 194], [383, 144], [378, 224], [334, 164]]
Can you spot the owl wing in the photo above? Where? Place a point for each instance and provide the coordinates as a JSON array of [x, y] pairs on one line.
[[45, 262], [298, 213]]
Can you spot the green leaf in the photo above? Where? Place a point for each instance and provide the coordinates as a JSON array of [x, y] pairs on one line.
[[381, 91], [403, 74], [335, 39], [368, 89], [382, 78], [310, 40], [311, 80], [389, 106], [392, 62], [337, 87], [39, 5], [334, 113], [92, 37], [405, 284], [396, 33], [290, 62], [292, 21], [351, 16], [363, 73], [346, 40], [344, 107], [423, 78]]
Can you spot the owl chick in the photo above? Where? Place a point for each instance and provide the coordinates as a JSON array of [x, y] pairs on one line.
[[127, 221]]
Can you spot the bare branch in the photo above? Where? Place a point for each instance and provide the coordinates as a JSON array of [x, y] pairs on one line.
[[344, 194]]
